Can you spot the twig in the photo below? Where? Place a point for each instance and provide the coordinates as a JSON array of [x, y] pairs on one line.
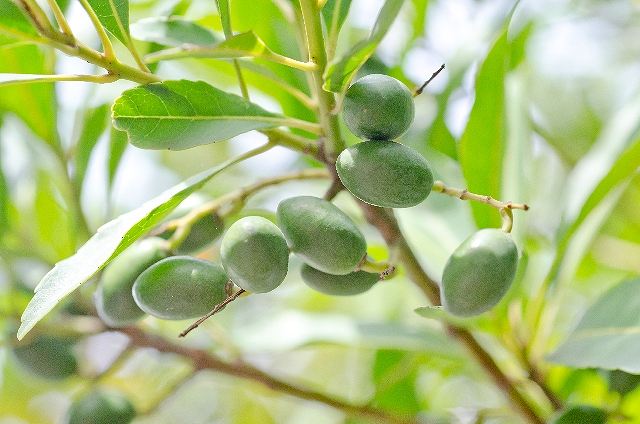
[[203, 360], [464, 194], [220, 306], [431, 78]]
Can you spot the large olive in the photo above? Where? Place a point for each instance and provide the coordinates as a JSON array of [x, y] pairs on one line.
[[581, 414], [180, 287], [255, 254], [479, 272], [101, 407], [113, 299], [378, 107], [338, 285], [48, 357], [321, 234], [385, 174]]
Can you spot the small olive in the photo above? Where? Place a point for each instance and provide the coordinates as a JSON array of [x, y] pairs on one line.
[[338, 285]]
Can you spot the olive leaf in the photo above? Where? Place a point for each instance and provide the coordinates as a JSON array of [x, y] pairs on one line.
[[114, 16], [13, 22], [172, 31], [178, 115], [608, 336], [340, 72], [109, 241]]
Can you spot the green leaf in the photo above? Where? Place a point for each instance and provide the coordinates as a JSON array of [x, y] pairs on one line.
[[482, 144], [178, 115], [13, 22], [117, 146], [53, 224], [340, 72], [225, 17], [172, 31], [95, 122], [4, 201], [109, 241], [114, 16], [335, 13], [395, 373], [608, 336]]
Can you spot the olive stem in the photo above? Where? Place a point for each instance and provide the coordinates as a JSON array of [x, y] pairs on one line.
[[219, 307], [420, 89], [505, 208]]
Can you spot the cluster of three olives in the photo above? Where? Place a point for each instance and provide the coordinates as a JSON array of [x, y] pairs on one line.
[[378, 109]]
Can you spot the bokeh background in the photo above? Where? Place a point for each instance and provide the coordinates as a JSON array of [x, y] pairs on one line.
[[571, 105]]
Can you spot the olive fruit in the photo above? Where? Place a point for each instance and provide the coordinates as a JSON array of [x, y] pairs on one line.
[[622, 382], [203, 232], [255, 254], [48, 357], [321, 234], [101, 407], [479, 272], [338, 285], [113, 299], [378, 107], [180, 287], [581, 414], [385, 174]]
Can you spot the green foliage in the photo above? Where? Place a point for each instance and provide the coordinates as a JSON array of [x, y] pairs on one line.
[[479, 273], [321, 234], [385, 174], [606, 337], [172, 31], [180, 287], [102, 407], [622, 382], [48, 357], [579, 414], [114, 15], [113, 299], [378, 107], [255, 254], [338, 285]]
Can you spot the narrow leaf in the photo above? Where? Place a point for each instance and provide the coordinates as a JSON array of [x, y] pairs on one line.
[[109, 241], [608, 336], [178, 115], [114, 16], [117, 146], [95, 122], [340, 72], [225, 17], [482, 145], [335, 13], [53, 225], [172, 31]]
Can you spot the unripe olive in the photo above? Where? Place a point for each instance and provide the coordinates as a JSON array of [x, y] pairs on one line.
[[180, 287], [622, 382], [113, 299], [321, 234], [338, 285], [581, 414], [48, 357], [102, 407], [378, 107], [479, 272], [255, 254], [385, 174], [203, 232]]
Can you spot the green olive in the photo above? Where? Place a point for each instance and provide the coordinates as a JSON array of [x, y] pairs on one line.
[[321, 234], [479, 272], [385, 174], [581, 414], [48, 357], [101, 407], [338, 285], [180, 287], [203, 232], [378, 107], [113, 299], [255, 254]]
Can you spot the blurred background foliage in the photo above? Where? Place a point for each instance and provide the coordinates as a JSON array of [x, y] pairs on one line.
[[538, 103]]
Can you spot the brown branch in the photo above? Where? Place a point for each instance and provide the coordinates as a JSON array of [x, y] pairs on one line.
[[387, 225], [203, 360], [431, 78], [220, 306]]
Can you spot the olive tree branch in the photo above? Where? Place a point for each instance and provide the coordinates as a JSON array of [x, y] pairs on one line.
[[219, 307], [420, 89], [203, 360]]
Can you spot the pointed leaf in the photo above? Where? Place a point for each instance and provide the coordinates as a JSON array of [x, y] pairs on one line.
[[340, 72], [117, 146], [172, 31], [608, 336], [178, 115], [335, 13], [95, 122], [114, 16], [109, 241]]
